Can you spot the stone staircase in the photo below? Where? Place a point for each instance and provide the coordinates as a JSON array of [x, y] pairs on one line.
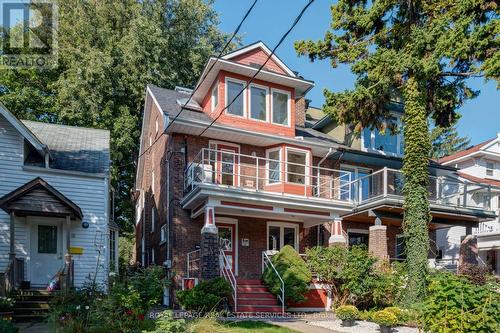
[[253, 297], [31, 305]]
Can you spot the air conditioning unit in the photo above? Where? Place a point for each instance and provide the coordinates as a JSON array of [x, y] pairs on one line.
[[198, 173]]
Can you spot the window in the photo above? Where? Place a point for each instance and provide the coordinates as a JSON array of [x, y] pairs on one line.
[[258, 103], [153, 218], [156, 126], [153, 182], [296, 166], [152, 255], [215, 97], [384, 141], [163, 233], [280, 234], [139, 206], [274, 166], [280, 108], [150, 140], [357, 238], [47, 239], [237, 108], [400, 247], [112, 249], [489, 168], [360, 190], [143, 252]]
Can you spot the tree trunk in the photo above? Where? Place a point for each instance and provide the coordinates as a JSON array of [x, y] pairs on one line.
[[416, 202]]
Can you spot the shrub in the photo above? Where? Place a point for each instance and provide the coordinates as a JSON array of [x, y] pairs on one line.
[[385, 318], [477, 274], [6, 303], [347, 312], [365, 315], [293, 271], [165, 323], [454, 304], [6, 326], [207, 296]]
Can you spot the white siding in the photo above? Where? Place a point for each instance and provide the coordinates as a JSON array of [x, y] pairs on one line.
[[89, 193]]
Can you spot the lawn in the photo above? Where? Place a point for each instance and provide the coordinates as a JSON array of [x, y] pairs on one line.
[[211, 326]]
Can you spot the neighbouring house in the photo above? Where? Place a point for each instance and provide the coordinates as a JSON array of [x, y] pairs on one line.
[[55, 205], [222, 185], [477, 164]]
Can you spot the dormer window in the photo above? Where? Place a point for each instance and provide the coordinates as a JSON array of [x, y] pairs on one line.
[[215, 97], [258, 103], [233, 88], [386, 142], [489, 169], [280, 107]]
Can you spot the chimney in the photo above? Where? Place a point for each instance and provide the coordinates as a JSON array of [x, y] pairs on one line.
[[300, 111]]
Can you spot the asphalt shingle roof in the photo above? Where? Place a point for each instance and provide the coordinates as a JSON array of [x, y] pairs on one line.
[[74, 148]]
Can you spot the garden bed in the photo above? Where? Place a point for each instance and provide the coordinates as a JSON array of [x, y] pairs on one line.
[[360, 326]]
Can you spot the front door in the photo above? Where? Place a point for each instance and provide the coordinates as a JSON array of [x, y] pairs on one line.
[[46, 257], [227, 242]]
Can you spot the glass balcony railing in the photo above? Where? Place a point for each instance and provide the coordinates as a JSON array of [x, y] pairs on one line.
[[229, 169]]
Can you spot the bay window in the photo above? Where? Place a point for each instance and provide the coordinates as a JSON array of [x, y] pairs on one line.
[[274, 166], [237, 108], [280, 108], [296, 166], [258, 103]]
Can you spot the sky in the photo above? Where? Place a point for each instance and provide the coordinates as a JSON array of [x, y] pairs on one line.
[[270, 19]]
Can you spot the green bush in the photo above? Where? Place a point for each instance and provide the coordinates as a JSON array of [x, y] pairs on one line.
[[6, 326], [347, 312], [6, 303], [207, 296], [165, 323], [385, 318], [454, 304], [293, 271]]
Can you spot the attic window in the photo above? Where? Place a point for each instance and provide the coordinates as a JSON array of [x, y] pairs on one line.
[[32, 157], [489, 168]]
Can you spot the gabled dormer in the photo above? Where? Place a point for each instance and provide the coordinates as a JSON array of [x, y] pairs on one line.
[[267, 105]]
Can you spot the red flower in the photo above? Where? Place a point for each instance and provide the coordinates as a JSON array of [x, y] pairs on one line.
[[140, 317], [129, 312]]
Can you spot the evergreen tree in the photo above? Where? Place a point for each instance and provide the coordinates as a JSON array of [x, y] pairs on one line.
[[446, 141], [425, 50], [108, 52]]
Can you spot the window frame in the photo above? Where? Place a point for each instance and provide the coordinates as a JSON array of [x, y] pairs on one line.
[[399, 139], [213, 103], [307, 166], [163, 234], [282, 226], [243, 95], [492, 169], [359, 232], [398, 257], [289, 106], [266, 89], [280, 164], [153, 219]]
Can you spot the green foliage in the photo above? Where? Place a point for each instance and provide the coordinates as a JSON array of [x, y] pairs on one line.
[[293, 271], [165, 323], [385, 318], [347, 312], [125, 252], [108, 52], [446, 141], [6, 303], [207, 296], [424, 51], [475, 273], [6, 326], [456, 305]]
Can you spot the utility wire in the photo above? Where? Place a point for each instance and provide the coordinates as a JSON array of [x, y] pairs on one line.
[[297, 19]]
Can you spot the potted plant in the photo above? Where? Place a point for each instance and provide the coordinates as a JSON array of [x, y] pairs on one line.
[[6, 305], [348, 314], [386, 320]]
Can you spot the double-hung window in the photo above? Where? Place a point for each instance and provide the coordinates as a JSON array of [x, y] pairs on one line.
[[296, 166], [280, 107], [237, 108], [489, 169], [215, 97], [258, 103], [274, 166]]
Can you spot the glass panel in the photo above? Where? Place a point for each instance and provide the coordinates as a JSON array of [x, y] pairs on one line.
[[358, 239], [225, 238], [280, 108], [289, 237], [296, 167], [47, 239], [367, 138], [400, 248], [215, 97], [258, 103], [273, 243], [274, 167], [234, 89], [386, 142], [227, 168], [365, 184]]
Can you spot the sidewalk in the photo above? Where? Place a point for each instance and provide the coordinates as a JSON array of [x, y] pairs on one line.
[[33, 327]]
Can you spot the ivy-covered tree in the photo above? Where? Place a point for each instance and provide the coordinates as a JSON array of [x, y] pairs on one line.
[[108, 52], [446, 141], [425, 51]]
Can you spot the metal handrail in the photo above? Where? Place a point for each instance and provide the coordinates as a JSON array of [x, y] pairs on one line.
[[266, 261], [227, 274], [190, 261]]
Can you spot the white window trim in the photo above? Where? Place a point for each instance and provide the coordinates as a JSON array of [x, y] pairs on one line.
[[229, 220], [307, 166], [289, 107], [212, 102], [356, 231], [282, 226], [243, 94], [399, 138], [492, 169], [163, 234], [153, 182], [355, 172], [280, 162], [253, 85], [237, 156]]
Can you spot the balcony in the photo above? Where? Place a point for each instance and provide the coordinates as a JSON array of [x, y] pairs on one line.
[[257, 180]]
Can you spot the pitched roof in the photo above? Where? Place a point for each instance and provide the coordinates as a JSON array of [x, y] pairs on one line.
[[487, 181], [464, 152], [74, 148]]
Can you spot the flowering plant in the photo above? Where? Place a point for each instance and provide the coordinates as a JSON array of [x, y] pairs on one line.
[[6, 303]]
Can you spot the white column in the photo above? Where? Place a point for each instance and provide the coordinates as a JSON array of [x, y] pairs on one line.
[[209, 226], [336, 235]]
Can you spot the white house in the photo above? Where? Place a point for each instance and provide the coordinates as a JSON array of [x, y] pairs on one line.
[[478, 164], [55, 204]]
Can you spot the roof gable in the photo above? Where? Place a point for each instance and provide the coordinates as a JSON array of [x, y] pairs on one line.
[[466, 152], [255, 55]]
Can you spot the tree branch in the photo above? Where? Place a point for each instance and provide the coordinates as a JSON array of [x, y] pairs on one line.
[[463, 74]]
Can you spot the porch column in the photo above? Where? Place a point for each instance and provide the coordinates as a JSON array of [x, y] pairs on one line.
[[12, 248], [377, 240], [336, 236], [67, 256], [468, 252], [209, 246]]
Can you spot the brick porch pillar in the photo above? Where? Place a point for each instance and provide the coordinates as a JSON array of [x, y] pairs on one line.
[[468, 251], [209, 246], [377, 240], [336, 236]]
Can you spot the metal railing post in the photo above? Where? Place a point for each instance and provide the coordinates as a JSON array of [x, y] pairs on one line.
[[385, 182], [257, 173]]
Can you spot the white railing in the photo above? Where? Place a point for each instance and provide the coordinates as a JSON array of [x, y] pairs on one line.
[[487, 227], [227, 168], [266, 262], [226, 272], [442, 190], [193, 264]]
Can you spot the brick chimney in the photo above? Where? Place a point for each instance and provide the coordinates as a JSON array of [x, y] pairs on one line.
[[301, 105]]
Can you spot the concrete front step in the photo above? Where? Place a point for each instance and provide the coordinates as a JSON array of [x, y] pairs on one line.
[[259, 308], [261, 295], [257, 301], [248, 282], [252, 289]]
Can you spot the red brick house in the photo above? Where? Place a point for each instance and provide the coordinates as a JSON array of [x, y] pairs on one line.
[[219, 199]]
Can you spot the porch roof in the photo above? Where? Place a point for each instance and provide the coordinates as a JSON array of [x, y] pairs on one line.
[[37, 197]]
